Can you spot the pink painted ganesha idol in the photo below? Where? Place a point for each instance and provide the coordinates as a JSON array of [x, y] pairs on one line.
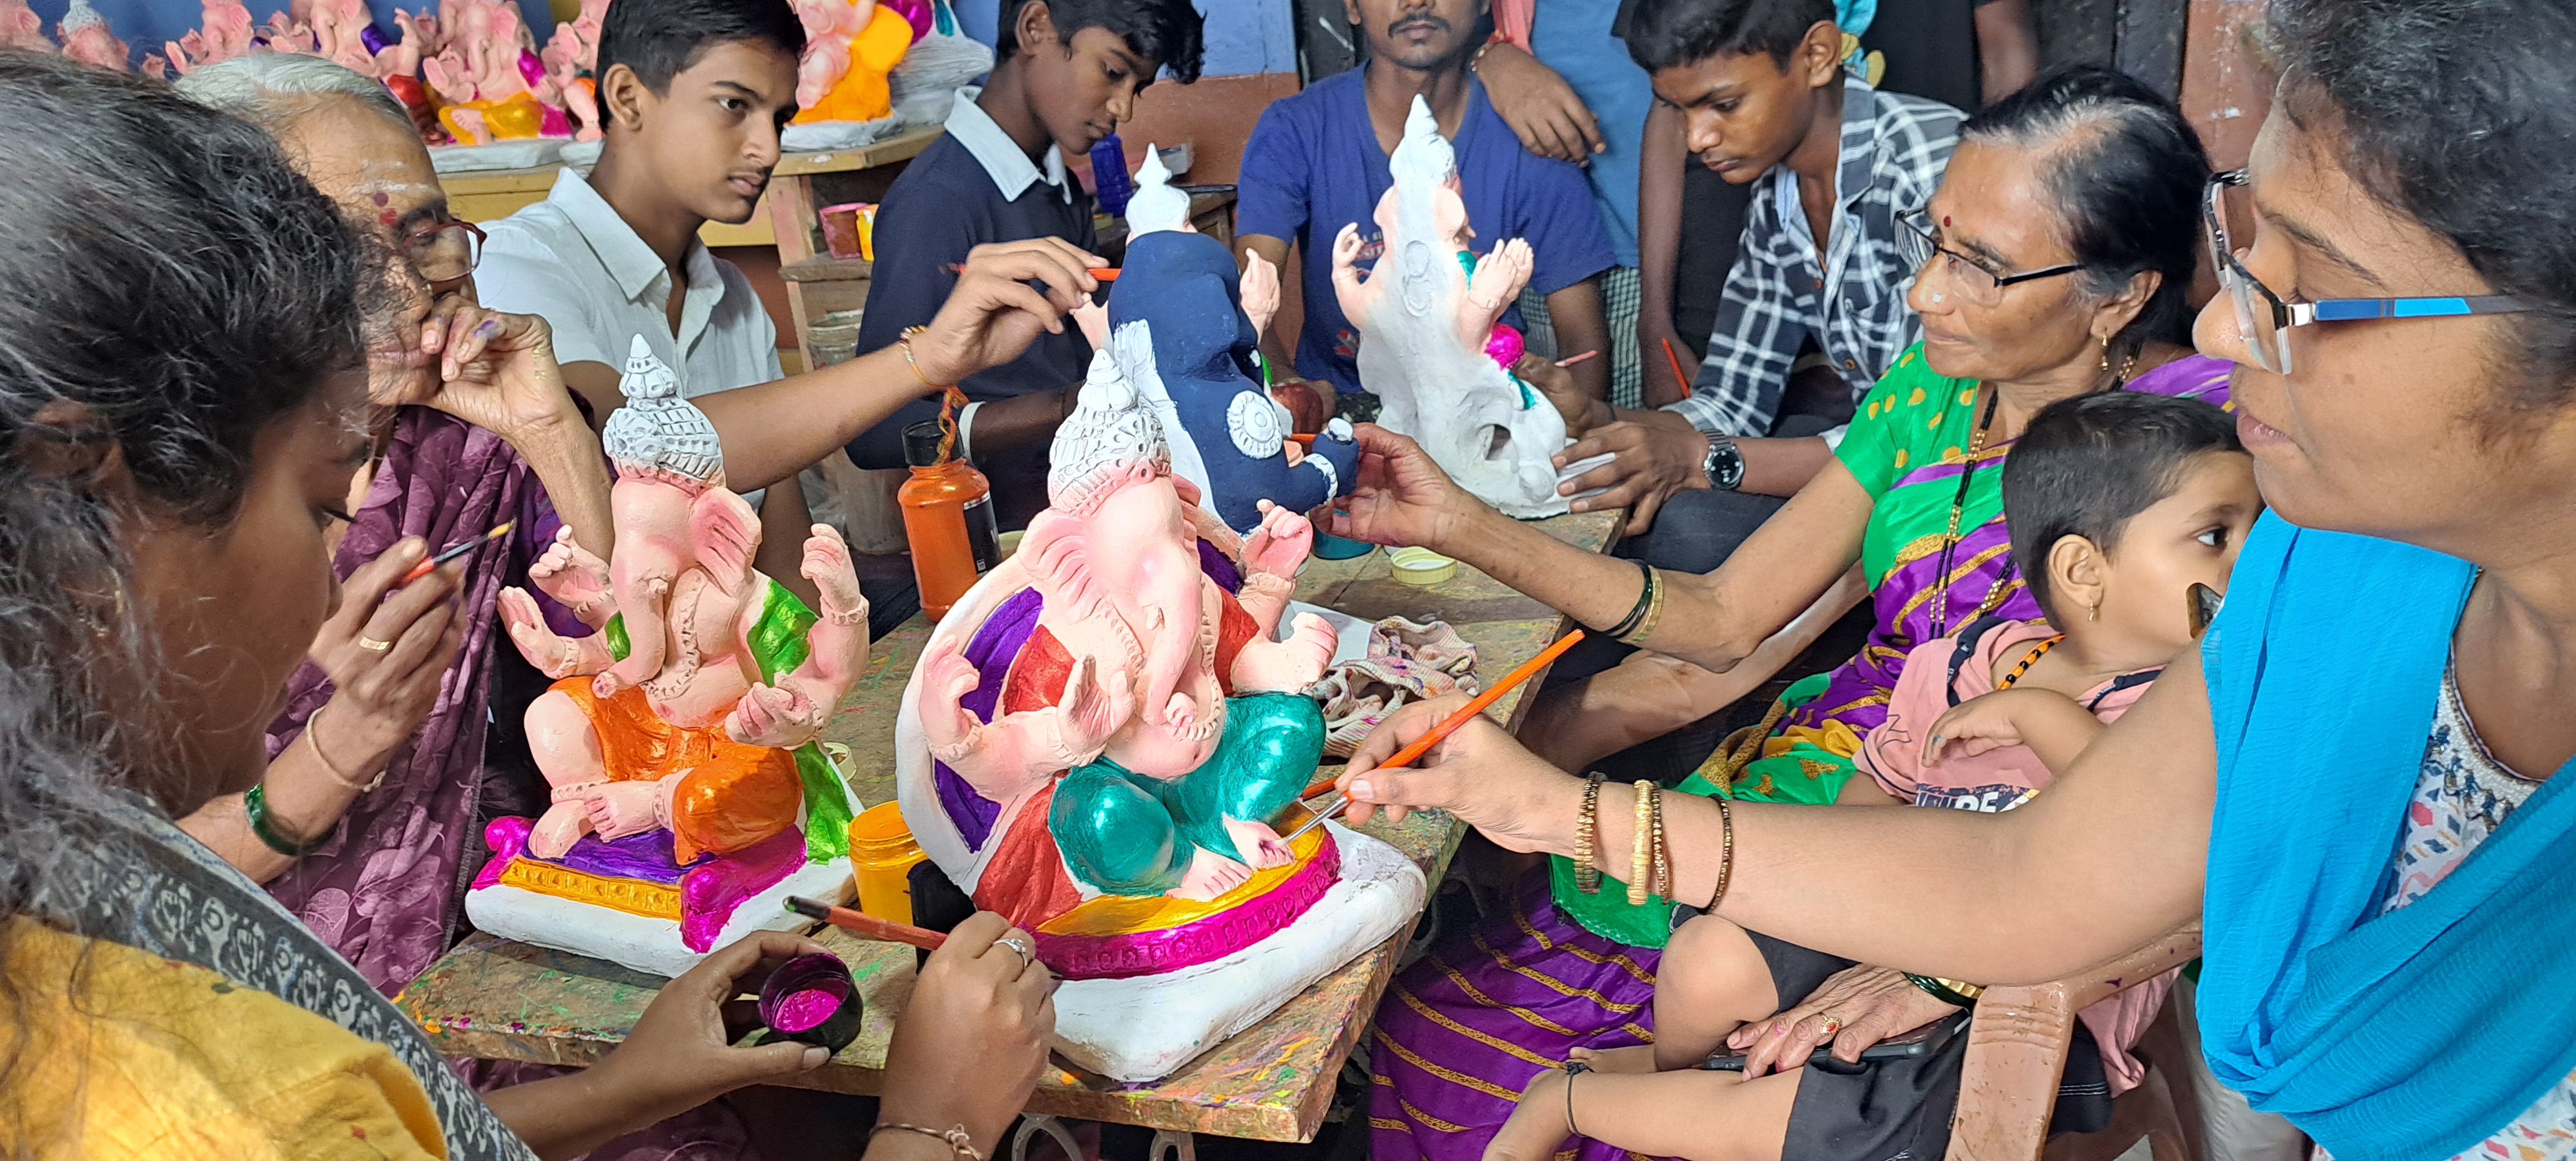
[[678, 783], [1106, 739]]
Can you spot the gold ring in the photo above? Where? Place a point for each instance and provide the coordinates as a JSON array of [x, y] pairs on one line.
[[1833, 1025], [372, 645]]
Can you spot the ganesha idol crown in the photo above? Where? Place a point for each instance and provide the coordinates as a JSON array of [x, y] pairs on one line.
[[658, 433]]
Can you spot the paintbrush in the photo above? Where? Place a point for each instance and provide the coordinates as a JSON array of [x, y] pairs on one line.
[[1098, 273], [1571, 360], [1448, 725], [866, 924], [453, 551], [1676, 361]]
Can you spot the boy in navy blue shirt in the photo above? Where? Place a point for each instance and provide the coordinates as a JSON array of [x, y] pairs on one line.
[[1069, 73], [1318, 161]]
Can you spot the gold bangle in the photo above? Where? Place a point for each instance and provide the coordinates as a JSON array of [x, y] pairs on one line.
[[1641, 866], [314, 744], [956, 1139], [1587, 875], [909, 334], [1645, 626]]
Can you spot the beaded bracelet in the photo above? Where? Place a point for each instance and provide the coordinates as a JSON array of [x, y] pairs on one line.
[[1587, 875], [956, 1139], [1663, 881], [1725, 854], [255, 804]]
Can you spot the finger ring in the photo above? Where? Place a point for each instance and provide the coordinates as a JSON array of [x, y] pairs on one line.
[[1833, 1025], [1013, 942], [372, 645]]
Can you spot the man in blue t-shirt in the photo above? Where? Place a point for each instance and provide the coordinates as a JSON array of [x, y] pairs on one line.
[[1318, 161]]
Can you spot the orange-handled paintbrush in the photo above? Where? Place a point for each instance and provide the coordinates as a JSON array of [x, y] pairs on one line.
[[1448, 725]]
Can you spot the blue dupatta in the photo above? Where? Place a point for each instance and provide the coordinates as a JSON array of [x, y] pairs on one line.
[[2395, 1037]]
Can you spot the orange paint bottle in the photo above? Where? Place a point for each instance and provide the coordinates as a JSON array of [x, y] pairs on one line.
[[947, 518]]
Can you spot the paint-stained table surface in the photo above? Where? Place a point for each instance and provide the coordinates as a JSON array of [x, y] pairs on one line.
[[501, 1000]]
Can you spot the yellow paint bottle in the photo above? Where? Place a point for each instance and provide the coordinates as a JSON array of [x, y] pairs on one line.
[[882, 853]]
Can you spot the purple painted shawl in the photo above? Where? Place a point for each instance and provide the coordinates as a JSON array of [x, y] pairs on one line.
[[387, 889]]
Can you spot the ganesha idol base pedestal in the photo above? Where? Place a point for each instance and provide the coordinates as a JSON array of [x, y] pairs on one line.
[[624, 902], [1144, 1028]]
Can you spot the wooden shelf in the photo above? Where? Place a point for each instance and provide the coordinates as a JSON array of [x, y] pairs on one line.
[[825, 268]]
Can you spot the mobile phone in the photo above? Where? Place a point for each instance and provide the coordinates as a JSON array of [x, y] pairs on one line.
[[1923, 1041]]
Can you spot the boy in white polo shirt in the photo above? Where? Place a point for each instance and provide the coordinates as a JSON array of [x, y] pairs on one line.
[[695, 93]]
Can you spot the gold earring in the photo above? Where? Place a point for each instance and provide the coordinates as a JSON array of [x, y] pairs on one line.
[[2094, 613], [2106, 354]]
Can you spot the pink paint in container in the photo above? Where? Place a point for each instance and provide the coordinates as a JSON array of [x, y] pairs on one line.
[[811, 999]]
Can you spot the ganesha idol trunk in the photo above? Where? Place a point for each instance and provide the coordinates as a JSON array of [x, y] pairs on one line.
[[1111, 759]]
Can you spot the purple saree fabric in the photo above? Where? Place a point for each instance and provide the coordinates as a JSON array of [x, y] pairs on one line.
[[1464, 1029], [387, 889]]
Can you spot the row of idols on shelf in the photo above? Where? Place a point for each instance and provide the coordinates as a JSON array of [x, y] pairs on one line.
[[472, 72]]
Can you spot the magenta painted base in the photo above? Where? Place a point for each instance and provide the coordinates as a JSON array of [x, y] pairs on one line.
[[710, 889], [1145, 953]]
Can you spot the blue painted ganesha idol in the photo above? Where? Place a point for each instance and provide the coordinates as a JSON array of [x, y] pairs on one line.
[[1201, 324], [1104, 740]]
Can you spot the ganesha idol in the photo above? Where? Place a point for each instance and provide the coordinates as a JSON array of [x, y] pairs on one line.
[[1432, 343], [1106, 740], [689, 798]]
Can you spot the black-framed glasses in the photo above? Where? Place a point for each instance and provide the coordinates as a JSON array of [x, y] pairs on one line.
[[2266, 329], [1918, 245], [444, 253]]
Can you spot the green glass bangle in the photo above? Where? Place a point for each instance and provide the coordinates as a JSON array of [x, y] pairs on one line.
[[255, 804], [1942, 991]]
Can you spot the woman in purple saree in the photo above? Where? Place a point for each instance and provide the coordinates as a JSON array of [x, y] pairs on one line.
[[2033, 286], [377, 781]]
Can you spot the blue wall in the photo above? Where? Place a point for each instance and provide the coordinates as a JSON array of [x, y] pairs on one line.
[[1242, 36], [144, 24]]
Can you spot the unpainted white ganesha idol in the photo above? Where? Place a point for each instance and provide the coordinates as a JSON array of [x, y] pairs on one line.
[[1432, 345], [689, 797], [1106, 740]]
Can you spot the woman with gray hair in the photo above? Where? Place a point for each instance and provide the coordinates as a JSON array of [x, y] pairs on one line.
[[381, 773]]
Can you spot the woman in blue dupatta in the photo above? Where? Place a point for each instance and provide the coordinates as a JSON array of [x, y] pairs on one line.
[[2359, 783]]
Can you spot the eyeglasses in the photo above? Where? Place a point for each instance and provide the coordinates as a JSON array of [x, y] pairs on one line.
[[444, 254], [1918, 245], [2266, 326]]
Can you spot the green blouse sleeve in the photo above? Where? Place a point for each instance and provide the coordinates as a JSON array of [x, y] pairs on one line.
[[1872, 446]]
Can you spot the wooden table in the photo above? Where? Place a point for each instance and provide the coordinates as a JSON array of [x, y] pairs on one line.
[[1273, 1081]]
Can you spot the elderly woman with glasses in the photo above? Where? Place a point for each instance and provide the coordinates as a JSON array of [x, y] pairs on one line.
[[377, 783], [2055, 261]]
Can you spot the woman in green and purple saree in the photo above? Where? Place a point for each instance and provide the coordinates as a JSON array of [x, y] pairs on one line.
[[2054, 261]]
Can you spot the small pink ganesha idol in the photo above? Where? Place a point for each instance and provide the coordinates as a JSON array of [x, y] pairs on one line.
[[679, 738]]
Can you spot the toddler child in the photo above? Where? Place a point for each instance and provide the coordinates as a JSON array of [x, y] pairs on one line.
[[2120, 504]]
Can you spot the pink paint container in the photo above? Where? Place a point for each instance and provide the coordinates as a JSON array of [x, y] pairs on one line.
[[811, 999]]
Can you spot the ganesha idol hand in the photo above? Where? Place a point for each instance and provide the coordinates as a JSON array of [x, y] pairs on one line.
[[1280, 545], [778, 718], [836, 580]]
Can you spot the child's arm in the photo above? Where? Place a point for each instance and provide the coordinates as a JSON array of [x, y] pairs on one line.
[[1862, 790], [2050, 723]]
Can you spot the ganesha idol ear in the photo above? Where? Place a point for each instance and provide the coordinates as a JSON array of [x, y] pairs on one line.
[[726, 532]]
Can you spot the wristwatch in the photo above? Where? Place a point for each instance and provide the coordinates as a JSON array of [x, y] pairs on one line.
[[1725, 464]]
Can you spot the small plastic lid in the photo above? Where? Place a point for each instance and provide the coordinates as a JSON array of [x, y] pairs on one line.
[[1421, 566], [921, 444]]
